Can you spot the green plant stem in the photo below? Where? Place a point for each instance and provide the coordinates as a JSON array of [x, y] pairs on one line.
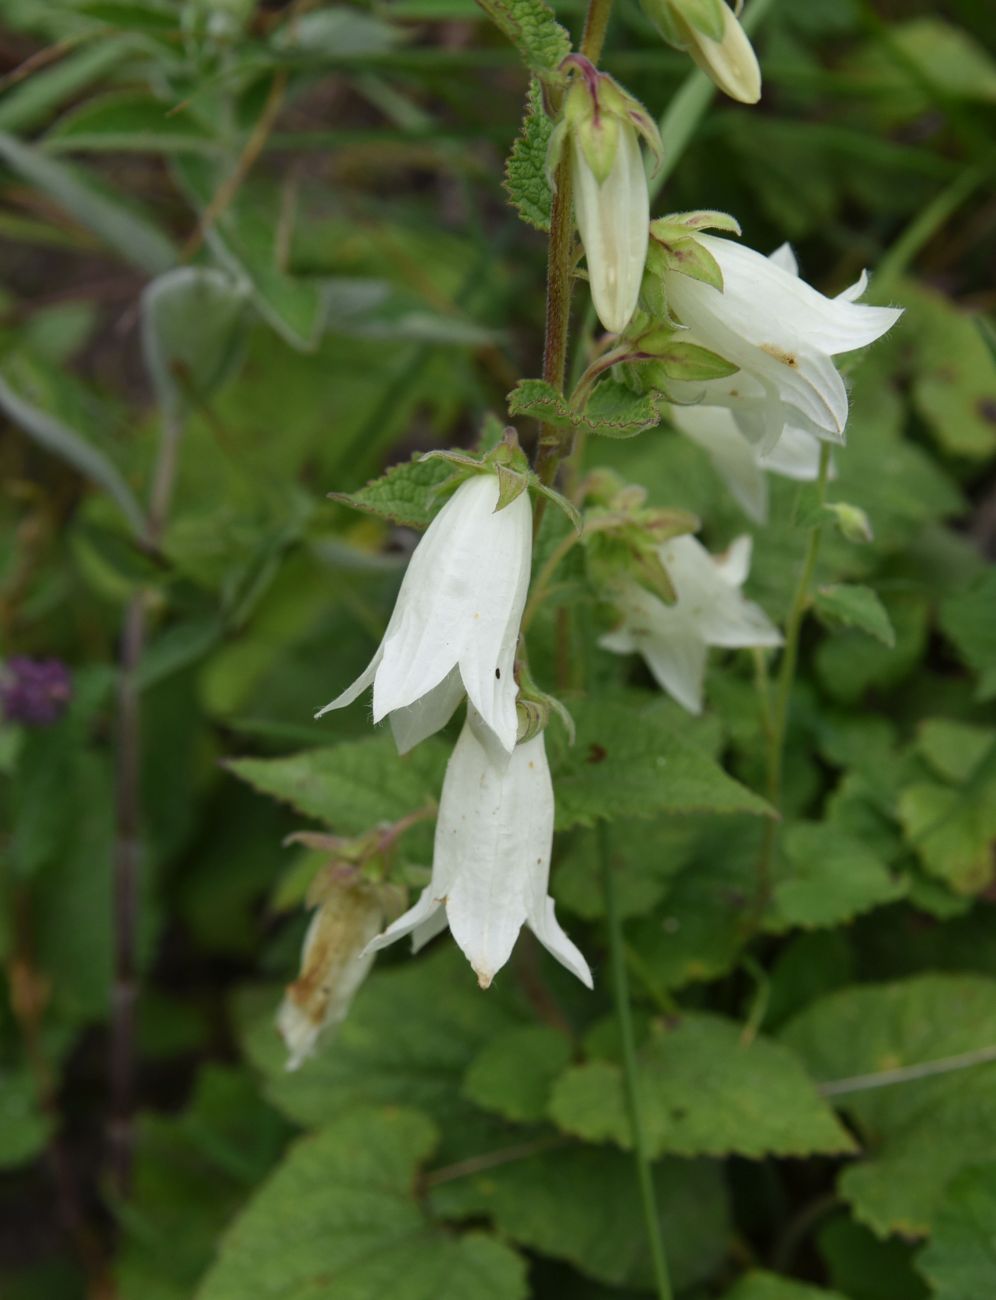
[[784, 684], [620, 984], [555, 444]]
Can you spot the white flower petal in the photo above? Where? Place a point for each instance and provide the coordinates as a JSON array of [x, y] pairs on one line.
[[784, 257], [796, 455], [459, 606], [417, 917], [353, 692], [715, 430], [733, 565], [544, 924], [429, 714], [677, 659], [613, 220]]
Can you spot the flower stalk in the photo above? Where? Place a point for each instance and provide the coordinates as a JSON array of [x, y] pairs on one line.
[[779, 704]]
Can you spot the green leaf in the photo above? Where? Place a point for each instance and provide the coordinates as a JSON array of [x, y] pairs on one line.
[[193, 321], [513, 1075], [24, 1129], [953, 382], [951, 830], [761, 1285], [920, 1133], [851, 662], [628, 762], [192, 1172], [954, 749], [533, 29], [353, 786], [124, 231], [244, 241], [409, 1039], [968, 619], [406, 494], [827, 878], [29, 104], [959, 1262], [613, 413], [865, 1266], [129, 121], [857, 607], [55, 436], [340, 1214], [525, 182], [336, 33], [582, 1205], [704, 1092]]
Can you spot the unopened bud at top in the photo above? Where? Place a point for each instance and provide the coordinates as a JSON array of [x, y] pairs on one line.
[[709, 31], [602, 125]]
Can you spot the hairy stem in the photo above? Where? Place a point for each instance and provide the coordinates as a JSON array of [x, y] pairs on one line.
[[783, 687], [620, 985]]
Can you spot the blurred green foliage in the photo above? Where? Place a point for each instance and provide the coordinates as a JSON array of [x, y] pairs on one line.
[[270, 243]]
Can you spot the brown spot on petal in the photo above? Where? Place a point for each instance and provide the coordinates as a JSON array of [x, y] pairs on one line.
[[786, 358]]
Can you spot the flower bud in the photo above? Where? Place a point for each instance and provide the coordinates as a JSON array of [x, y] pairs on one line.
[[602, 125], [709, 31]]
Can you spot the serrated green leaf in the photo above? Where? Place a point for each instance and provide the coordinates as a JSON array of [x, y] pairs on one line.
[[513, 1075], [855, 606], [851, 662], [406, 494], [827, 878], [968, 619], [533, 29], [525, 170], [340, 1214], [920, 1133], [409, 1039], [704, 1092], [612, 411], [582, 1205], [951, 830], [959, 1262], [628, 762], [353, 786]]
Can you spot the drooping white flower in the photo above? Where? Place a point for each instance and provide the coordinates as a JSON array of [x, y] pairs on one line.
[[455, 624], [334, 963], [710, 610], [742, 464], [491, 861], [613, 219], [782, 333]]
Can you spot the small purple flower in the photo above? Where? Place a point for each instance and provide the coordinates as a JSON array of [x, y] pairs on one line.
[[34, 692]]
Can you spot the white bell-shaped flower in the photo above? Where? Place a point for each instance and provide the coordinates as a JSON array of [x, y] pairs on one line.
[[613, 219], [742, 464], [455, 624], [491, 862], [710, 610], [781, 332]]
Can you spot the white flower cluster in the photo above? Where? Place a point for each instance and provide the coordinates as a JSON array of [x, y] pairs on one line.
[[453, 632]]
